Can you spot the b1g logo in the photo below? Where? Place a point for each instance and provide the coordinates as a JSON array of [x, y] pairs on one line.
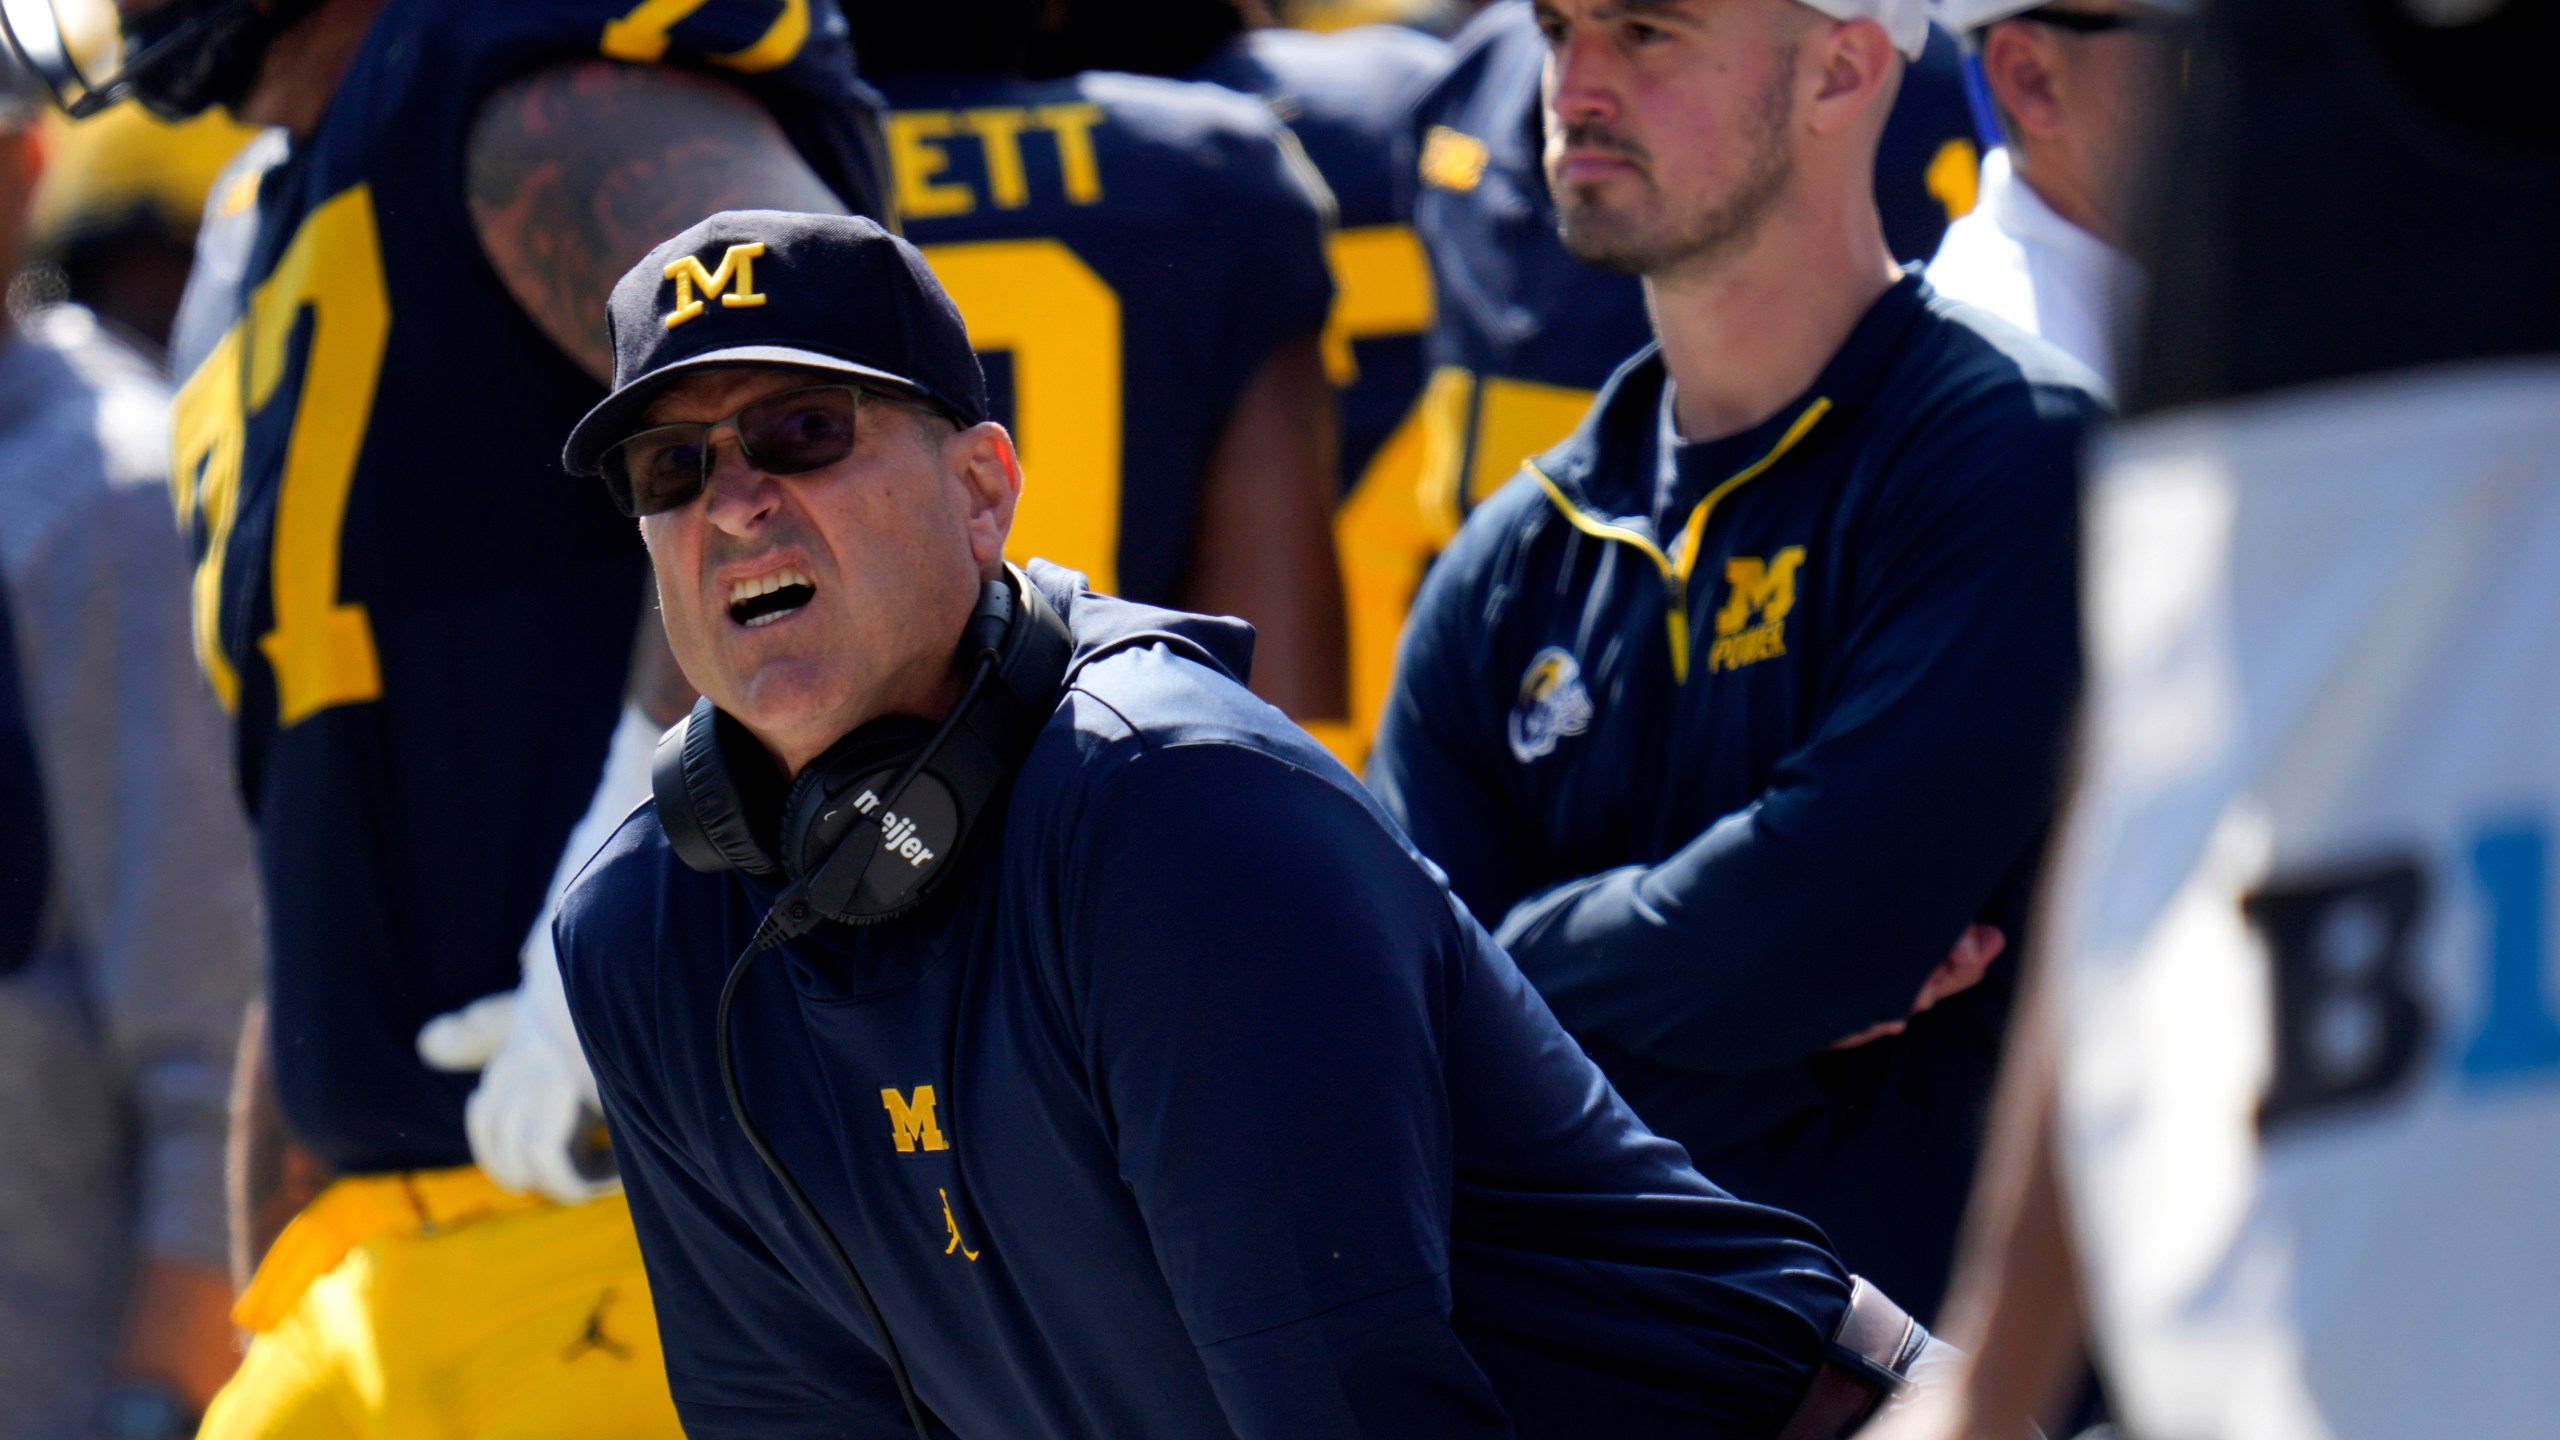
[[1552, 704], [2351, 1022]]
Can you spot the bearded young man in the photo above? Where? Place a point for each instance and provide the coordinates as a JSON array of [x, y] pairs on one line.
[[1739, 714]]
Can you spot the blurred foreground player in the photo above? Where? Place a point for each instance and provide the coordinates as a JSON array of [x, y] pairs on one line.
[[1144, 263], [1523, 333], [116, 1038], [2071, 83], [390, 329], [2282, 1128], [1739, 715], [23, 861], [1118, 1070]]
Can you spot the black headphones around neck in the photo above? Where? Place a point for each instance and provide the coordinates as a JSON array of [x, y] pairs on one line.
[[871, 829], [877, 824]]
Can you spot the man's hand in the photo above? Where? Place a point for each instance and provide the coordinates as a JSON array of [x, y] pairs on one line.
[[535, 1123], [1963, 969], [1938, 1416], [535, 1109]]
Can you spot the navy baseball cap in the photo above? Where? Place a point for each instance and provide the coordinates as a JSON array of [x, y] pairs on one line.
[[830, 293]]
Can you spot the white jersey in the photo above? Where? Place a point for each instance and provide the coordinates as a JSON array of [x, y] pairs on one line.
[[2310, 1085], [2013, 256]]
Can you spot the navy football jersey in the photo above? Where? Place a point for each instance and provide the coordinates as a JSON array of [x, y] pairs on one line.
[[1347, 96], [1523, 333], [419, 622], [1128, 251]]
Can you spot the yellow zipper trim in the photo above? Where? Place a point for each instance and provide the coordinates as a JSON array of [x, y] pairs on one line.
[[1675, 567]]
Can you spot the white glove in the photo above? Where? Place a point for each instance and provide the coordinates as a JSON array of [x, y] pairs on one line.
[[534, 1114], [534, 1120]]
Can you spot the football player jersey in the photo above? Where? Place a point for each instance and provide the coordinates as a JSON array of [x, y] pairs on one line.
[[1128, 251], [2307, 1001], [1522, 333], [1347, 96], [419, 622], [2311, 1074]]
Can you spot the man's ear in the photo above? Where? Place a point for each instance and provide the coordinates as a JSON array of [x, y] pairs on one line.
[[2017, 66], [982, 459], [1855, 74]]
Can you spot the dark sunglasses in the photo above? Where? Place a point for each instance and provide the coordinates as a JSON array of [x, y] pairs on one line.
[[791, 432], [2081, 22]]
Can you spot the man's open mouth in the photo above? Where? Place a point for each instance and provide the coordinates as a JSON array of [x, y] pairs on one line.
[[768, 598]]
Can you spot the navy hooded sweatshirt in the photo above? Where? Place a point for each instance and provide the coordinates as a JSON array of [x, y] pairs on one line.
[[1197, 1108]]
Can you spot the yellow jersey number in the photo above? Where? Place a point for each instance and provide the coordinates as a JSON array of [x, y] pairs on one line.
[[1060, 322], [1034, 300], [1464, 437], [320, 650]]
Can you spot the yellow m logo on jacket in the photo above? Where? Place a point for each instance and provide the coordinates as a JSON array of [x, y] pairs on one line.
[[911, 1122], [1752, 626]]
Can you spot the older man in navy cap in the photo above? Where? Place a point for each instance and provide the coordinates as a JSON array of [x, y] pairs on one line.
[[1114, 1067]]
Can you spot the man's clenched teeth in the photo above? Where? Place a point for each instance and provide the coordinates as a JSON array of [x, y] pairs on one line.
[[768, 598]]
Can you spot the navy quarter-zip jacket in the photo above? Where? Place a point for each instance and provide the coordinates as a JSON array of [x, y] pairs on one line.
[[1729, 754], [1199, 1109]]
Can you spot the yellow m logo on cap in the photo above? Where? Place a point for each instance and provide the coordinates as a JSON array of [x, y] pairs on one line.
[[911, 1122], [738, 265]]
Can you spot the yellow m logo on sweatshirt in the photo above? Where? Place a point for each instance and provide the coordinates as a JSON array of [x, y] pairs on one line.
[[911, 1121], [1752, 626]]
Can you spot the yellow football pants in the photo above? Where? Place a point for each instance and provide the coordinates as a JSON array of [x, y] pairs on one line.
[[435, 1306]]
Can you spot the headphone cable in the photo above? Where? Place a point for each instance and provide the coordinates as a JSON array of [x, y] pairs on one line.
[[770, 933], [920, 1417]]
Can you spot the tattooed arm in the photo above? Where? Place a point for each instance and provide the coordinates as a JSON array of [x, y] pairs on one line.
[[576, 171]]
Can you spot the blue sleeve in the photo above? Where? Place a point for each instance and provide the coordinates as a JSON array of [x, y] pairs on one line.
[[795, 56], [1260, 983], [1429, 767], [1278, 214], [23, 858], [749, 1354], [1817, 910]]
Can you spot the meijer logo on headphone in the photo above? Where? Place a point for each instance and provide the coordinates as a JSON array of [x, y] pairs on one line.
[[897, 832]]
